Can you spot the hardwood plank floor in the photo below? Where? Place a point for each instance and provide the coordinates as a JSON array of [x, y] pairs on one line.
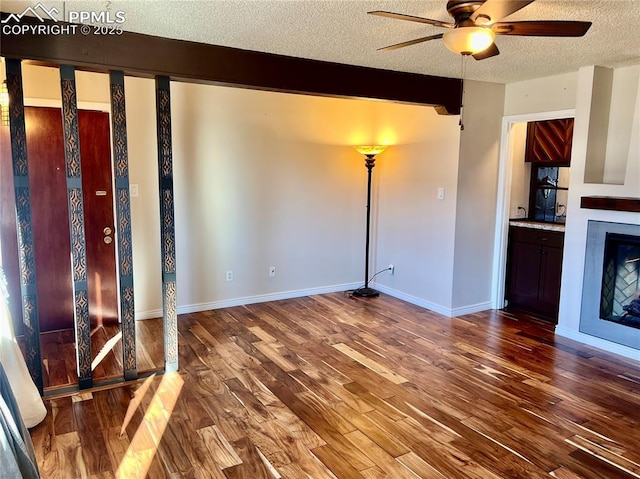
[[59, 354], [335, 387]]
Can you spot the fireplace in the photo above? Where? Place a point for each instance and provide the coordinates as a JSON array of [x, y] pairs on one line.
[[620, 292], [611, 288]]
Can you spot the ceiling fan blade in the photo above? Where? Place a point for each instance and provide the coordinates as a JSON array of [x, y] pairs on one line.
[[542, 28], [411, 18], [492, 51], [492, 11], [410, 42]]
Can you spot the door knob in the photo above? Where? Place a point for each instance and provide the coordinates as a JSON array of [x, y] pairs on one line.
[[108, 239], [107, 231]]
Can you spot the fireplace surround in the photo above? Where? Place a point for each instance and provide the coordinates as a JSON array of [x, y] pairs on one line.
[[612, 267]]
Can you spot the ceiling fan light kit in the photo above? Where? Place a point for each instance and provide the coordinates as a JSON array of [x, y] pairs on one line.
[[468, 40], [477, 22]]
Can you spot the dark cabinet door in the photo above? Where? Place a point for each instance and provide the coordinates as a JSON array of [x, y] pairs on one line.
[[550, 275], [534, 270], [550, 142], [525, 272]]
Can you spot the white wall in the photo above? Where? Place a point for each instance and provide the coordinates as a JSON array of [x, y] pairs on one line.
[[598, 124], [270, 179], [145, 209], [445, 245], [475, 214], [552, 93], [623, 133], [520, 172], [266, 179], [415, 230], [44, 83]]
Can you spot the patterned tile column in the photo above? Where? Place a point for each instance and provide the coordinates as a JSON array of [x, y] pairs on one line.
[[76, 225], [24, 222], [123, 220], [167, 230]]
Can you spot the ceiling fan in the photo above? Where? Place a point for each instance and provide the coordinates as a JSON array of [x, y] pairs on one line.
[[477, 22]]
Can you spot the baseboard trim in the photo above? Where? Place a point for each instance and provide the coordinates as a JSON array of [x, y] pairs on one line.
[[603, 344], [436, 308], [472, 308], [261, 298]]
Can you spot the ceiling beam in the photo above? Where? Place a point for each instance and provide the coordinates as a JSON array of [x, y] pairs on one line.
[[146, 55]]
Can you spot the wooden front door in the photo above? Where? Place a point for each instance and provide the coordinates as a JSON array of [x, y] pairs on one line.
[[97, 190], [47, 180]]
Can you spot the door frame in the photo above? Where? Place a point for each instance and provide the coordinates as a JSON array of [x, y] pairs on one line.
[[55, 103], [503, 202]]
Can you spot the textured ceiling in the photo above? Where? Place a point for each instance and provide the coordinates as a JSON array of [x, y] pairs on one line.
[[341, 31]]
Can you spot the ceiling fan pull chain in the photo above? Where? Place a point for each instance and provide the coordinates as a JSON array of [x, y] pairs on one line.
[[463, 73]]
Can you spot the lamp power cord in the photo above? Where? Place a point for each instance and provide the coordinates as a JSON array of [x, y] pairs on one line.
[[351, 291]]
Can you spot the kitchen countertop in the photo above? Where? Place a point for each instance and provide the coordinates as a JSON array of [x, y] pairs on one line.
[[537, 225]]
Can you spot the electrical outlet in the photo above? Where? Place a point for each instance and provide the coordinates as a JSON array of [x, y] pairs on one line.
[[229, 275], [441, 193], [272, 271], [392, 269]]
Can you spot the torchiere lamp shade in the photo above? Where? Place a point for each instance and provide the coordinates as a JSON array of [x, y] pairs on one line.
[[370, 150]]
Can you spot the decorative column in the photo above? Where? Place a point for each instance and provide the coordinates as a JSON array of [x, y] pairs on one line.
[[29, 295], [76, 225], [123, 220], [167, 220]]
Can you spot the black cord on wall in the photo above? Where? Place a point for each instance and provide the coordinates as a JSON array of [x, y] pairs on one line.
[[351, 291]]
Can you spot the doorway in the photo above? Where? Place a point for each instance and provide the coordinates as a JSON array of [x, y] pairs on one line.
[[509, 144]]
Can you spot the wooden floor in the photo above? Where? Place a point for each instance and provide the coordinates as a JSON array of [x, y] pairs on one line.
[[59, 354], [330, 386]]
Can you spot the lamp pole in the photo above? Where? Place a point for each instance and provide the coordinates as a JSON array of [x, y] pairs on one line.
[[370, 152]]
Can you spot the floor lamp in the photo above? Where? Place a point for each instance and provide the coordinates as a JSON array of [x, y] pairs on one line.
[[370, 151]]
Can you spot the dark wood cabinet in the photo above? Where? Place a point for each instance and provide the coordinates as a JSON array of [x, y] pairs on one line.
[[534, 269], [549, 142]]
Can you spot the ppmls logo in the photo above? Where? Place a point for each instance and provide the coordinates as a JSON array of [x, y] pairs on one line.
[[51, 14]]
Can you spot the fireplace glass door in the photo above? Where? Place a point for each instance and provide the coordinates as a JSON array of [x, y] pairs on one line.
[[620, 296]]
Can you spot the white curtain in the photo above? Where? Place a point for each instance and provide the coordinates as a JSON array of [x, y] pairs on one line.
[[17, 456], [27, 397]]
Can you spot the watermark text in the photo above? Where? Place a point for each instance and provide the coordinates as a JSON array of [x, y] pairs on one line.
[[45, 21]]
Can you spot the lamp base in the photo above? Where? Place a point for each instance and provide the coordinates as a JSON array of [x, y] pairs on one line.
[[365, 293]]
